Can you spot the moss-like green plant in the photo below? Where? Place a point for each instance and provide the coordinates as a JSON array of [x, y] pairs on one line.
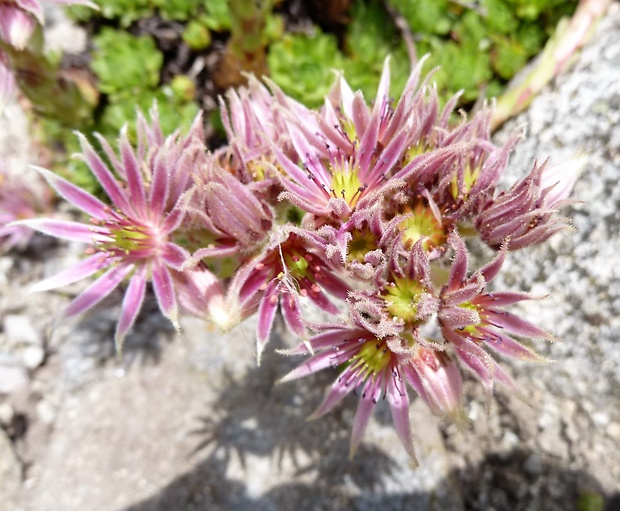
[[125, 65], [371, 37], [303, 65], [480, 47], [125, 11]]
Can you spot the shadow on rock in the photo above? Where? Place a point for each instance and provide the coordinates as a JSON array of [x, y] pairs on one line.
[[304, 465], [258, 416], [523, 480], [90, 343]]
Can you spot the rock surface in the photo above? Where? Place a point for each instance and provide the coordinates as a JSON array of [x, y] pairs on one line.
[[189, 423]]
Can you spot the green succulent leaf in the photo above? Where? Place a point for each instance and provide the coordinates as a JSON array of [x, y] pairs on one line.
[[126, 11], [217, 17], [196, 35], [302, 65], [125, 65], [180, 10]]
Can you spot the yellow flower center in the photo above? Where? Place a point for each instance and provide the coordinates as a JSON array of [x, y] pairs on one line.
[[346, 184], [470, 176], [361, 243], [401, 299], [373, 357], [422, 225]]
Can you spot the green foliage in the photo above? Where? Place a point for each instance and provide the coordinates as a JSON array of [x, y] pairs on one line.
[[173, 114], [217, 16], [479, 48], [590, 501], [196, 35], [126, 11], [180, 10], [371, 37], [303, 65], [124, 64]]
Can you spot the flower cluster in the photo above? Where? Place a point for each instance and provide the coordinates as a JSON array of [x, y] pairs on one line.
[[360, 211]]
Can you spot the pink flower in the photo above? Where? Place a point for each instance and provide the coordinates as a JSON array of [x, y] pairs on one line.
[[18, 23], [230, 217], [378, 368], [255, 120], [472, 319], [19, 18], [135, 237], [290, 268], [19, 200], [355, 149], [526, 214]]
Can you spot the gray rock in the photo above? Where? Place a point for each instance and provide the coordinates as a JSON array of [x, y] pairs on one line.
[[10, 473], [13, 375], [19, 329]]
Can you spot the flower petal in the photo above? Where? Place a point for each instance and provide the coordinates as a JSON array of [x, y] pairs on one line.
[[134, 177], [175, 256], [99, 289], [72, 231], [266, 314], [81, 198], [164, 292], [399, 405], [132, 303], [83, 269], [103, 175]]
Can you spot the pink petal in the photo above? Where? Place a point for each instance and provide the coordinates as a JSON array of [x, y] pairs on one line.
[[164, 292], [516, 325], [492, 269], [399, 405], [458, 272], [134, 176], [266, 314], [81, 198], [369, 398], [83, 269], [72, 231], [16, 26], [175, 256], [507, 346], [383, 91], [33, 7], [176, 216], [336, 393], [99, 289], [289, 307], [103, 175], [313, 365], [362, 416], [132, 303], [160, 184]]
